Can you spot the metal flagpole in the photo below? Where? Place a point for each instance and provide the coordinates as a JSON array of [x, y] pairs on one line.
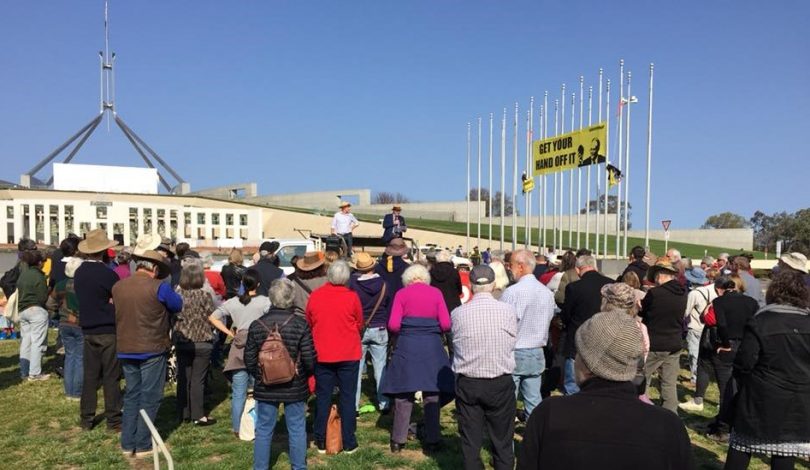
[[540, 222], [514, 181], [649, 161], [554, 194], [562, 176], [598, 180], [588, 178], [529, 172], [607, 161], [571, 184], [467, 248], [619, 157], [478, 198], [545, 136], [579, 171], [489, 188], [627, 166], [503, 174]]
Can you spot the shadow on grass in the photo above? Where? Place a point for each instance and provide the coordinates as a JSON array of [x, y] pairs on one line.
[[706, 459]]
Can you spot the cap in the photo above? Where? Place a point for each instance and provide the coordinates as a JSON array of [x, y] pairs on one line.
[[482, 275]]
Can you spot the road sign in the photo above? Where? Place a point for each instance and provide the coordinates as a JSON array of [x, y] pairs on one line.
[[528, 185], [666, 224]]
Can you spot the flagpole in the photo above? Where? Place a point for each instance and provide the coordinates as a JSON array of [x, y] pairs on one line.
[[619, 155], [649, 161], [527, 238], [478, 199], [607, 161], [588, 183], [540, 221], [554, 195], [514, 181], [489, 188], [579, 171], [562, 176], [626, 177], [544, 133], [503, 175], [571, 183], [468, 187], [598, 180]]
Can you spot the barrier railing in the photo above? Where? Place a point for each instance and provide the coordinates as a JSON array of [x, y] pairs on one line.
[[157, 444]]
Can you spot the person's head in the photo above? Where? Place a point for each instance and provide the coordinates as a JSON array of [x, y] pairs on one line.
[[722, 260], [152, 263], [181, 249], [637, 253], [739, 284], [415, 273], [568, 261], [236, 257], [193, 275], [268, 249], [26, 245], [724, 284], [788, 288], [396, 209], [444, 256], [345, 207], [741, 263], [339, 273], [583, 252], [686, 263], [32, 258], [585, 263], [501, 276], [619, 296], [541, 259], [482, 279], [609, 346], [250, 282], [595, 144], [69, 246], [363, 262], [522, 263], [674, 255], [329, 257], [793, 261], [663, 271], [712, 273], [311, 265], [123, 257], [281, 294], [707, 262], [631, 279]]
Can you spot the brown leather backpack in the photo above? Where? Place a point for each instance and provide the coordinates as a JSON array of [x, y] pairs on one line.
[[275, 363]]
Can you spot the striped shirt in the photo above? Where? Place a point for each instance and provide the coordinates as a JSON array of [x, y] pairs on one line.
[[484, 335], [534, 305]]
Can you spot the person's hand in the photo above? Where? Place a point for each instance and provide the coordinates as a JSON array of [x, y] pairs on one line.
[[722, 349]]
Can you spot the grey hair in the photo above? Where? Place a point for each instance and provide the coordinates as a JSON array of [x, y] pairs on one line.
[[443, 256], [501, 278], [339, 273], [686, 263], [146, 265], [675, 253], [414, 273], [586, 261], [525, 257], [207, 260], [708, 260], [282, 293], [723, 256], [477, 288], [193, 275]]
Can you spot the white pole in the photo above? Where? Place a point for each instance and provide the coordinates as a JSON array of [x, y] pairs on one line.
[[562, 176], [649, 161], [489, 188], [503, 175], [627, 166], [607, 161], [571, 184], [598, 176], [527, 197], [588, 178], [545, 136], [468, 187], [514, 181], [554, 198], [478, 199], [539, 190], [579, 172], [619, 157]]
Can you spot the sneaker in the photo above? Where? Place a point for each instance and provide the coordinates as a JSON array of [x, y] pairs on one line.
[[76, 399], [352, 450], [691, 405], [321, 446], [38, 378], [141, 454], [127, 453]]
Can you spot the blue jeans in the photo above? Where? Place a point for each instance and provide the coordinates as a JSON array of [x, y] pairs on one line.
[[144, 390], [569, 380], [296, 419], [73, 341], [327, 376], [693, 346], [375, 340], [240, 382], [529, 366], [34, 331]]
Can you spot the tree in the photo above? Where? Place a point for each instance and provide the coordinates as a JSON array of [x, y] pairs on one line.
[[592, 208], [496, 202], [726, 220], [384, 197], [792, 229]]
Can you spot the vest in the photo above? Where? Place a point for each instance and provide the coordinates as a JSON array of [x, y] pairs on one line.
[[141, 321]]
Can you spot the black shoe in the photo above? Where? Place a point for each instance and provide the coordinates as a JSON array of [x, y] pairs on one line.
[[397, 447], [60, 371], [205, 422], [321, 446]]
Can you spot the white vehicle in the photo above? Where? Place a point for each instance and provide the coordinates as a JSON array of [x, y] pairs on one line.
[[287, 250]]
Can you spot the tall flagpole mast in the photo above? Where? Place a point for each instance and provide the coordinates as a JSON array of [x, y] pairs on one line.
[[571, 184], [607, 161], [503, 174], [554, 195], [478, 199], [598, 176], [489, 202], [539, 190], [579, 171], [649, 161], [514, 181], [469, 140], [562, 175], [588, 184], [619, 157], [529, 173], [627, 166], [544, 133]]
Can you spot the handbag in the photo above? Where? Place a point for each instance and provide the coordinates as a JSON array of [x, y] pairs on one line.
[[247, 423], [11, 311], [334, 436]]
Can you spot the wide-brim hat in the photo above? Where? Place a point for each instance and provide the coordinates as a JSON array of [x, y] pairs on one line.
[[363, 262], [145, 243], [157, 258], [72, 263], [396, 247], [396, 208], [96, 241], [795, 260], [310, 261], [619, 294], [663, 263], [696, 276], [344, 204]]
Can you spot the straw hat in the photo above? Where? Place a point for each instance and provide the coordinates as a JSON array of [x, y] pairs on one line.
[[146, 242], [663, 263], [310, 261], [795, 260], [96, 241], [345, 204], [363, 262], [157, 258]]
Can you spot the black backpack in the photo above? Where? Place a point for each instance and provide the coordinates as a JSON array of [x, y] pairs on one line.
[[9, 280]]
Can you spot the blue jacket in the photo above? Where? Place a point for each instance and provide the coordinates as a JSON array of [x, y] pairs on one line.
[[388, 226]]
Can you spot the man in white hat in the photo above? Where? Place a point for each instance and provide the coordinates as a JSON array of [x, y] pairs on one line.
[[93, 285], [343, 224]]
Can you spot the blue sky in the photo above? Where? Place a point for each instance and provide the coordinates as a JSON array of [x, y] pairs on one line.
[[302, 96]]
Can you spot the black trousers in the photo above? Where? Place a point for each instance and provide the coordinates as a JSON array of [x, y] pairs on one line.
[[721, 364], [491, 402], [193, 360], [101, 368]]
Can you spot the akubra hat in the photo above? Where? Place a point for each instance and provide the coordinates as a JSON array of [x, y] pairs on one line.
[[310, 261], [663, 263], [96, 241], [396, 247], [157, 258], [363, 262], [795, 260], [397, 207], [344, 204], [146, 242]]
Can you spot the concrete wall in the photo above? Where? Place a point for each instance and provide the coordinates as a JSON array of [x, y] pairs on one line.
[[318, 199], [453, 211], [230, 192]]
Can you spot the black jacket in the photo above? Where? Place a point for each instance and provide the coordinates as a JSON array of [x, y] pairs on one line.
[[268, 272], [604, 426], [583, 299], [232, 277], [733, 310], [637, 266], [444, 277], [663, 310], [297, 339], [772, 368]]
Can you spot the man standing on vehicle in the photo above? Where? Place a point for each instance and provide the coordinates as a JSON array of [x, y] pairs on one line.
[[394, 224], [343, 223]]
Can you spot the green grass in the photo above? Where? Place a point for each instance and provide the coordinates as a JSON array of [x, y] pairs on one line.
[[40, 430]]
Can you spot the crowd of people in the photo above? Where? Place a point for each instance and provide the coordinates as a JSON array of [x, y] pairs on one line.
[[578, 349]]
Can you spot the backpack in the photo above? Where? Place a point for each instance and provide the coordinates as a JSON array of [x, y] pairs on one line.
[[275, 363], [9, 280]]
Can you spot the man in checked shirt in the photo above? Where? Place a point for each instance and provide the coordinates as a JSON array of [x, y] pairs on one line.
[[534, 305], [484, 335]]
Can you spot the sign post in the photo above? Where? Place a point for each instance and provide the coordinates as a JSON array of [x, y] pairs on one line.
[[666, 224]]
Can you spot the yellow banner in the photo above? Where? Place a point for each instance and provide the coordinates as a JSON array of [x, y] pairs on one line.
[[575, 149]]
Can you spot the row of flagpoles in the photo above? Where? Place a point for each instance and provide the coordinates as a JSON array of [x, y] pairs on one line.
[[616, 171]]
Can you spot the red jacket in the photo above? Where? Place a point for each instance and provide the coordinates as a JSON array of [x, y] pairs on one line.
[[335, 315], [215, 279]]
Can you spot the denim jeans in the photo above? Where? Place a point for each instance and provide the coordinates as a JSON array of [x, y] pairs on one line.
[[144, 390], [529, 366], [344, 376], [569, 380], [693, 346], [240, 382], [34, 331], [73, 341], [296, 419], [375, 340]]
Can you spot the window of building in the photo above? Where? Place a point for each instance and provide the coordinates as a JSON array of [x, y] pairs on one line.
[[243, 219], [201, 218], [228, 219], [101, 212], [215, 219]]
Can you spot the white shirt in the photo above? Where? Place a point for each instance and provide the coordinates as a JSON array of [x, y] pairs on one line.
[[343, 223], [534, 305]]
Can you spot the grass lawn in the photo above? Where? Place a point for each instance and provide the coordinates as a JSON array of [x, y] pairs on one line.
[[40, 430]]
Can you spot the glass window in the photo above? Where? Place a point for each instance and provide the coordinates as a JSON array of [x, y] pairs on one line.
[[286, 254], [215, 219], [228, 219], [242, 219], [201, 218], [101, 212]]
